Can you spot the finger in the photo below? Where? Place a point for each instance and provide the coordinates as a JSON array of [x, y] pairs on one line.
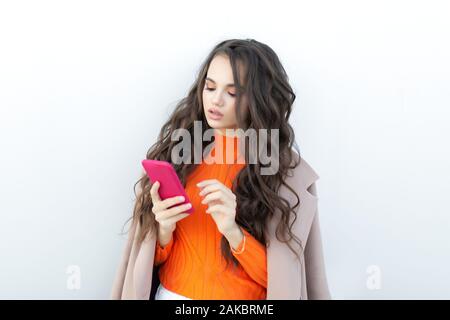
[[176, 218], [218, 196], [212, 188], [169, 202], [215, 187], [166, 214], [206, 182], [226, 189], [219, 208], [154, 192]]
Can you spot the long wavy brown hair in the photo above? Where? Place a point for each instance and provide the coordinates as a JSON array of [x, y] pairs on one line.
[[269, 105]]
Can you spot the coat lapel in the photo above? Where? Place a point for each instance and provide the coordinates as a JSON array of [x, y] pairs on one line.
[[285, 271]]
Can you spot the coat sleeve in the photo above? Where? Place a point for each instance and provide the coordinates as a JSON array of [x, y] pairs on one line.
[[316, 280], [117, 288], [143, 268]]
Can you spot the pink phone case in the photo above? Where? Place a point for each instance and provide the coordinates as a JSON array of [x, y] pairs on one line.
[[169, 183]]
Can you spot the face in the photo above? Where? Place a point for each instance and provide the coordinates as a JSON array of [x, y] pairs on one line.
[[219, 100]]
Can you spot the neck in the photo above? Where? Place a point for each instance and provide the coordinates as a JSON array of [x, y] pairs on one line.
[[228, 132]]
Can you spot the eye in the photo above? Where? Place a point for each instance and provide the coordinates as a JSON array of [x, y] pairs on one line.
[[212, 89]]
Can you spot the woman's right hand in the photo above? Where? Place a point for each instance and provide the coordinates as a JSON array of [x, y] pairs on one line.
[[166, 215]]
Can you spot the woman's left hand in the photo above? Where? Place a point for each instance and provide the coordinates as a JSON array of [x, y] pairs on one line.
[[221, 203]]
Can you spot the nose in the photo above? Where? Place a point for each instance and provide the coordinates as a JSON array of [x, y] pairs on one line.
[[217, 99]]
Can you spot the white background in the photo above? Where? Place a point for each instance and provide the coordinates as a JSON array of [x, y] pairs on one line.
[[86, 85]]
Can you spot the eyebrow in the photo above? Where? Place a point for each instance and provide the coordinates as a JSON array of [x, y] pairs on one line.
[[228, 85]]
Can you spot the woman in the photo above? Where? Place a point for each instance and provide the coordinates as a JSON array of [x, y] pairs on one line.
[[254, 234]]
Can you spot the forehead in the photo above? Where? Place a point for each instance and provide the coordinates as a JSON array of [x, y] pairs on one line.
[[220, 71]]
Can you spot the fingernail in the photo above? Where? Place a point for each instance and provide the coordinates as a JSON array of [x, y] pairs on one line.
[[181, 198], [188, 205]]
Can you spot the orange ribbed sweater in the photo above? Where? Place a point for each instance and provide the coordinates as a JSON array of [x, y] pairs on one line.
[[191, 263]]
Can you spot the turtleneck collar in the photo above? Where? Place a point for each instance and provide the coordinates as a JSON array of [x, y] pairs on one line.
[[226, 148]]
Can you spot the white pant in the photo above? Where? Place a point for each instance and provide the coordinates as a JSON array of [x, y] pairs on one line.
[[164, 294]]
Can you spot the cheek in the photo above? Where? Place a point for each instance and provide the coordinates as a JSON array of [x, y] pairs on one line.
[[231, 110], [206, 100]]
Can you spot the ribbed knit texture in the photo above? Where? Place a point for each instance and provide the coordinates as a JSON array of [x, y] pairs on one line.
[[191, 263]]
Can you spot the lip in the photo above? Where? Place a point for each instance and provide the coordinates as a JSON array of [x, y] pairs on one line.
[[215, 114]]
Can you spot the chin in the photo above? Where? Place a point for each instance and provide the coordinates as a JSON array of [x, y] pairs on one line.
[[214, 125]]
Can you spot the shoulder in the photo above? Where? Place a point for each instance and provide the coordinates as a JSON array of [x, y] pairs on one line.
[[298, 190], [300, 179], [303, 174]]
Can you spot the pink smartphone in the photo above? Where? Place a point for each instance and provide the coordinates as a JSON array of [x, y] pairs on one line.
[[169, 183]]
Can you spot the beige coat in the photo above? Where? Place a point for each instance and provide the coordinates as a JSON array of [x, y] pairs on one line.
[[288, 277]]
